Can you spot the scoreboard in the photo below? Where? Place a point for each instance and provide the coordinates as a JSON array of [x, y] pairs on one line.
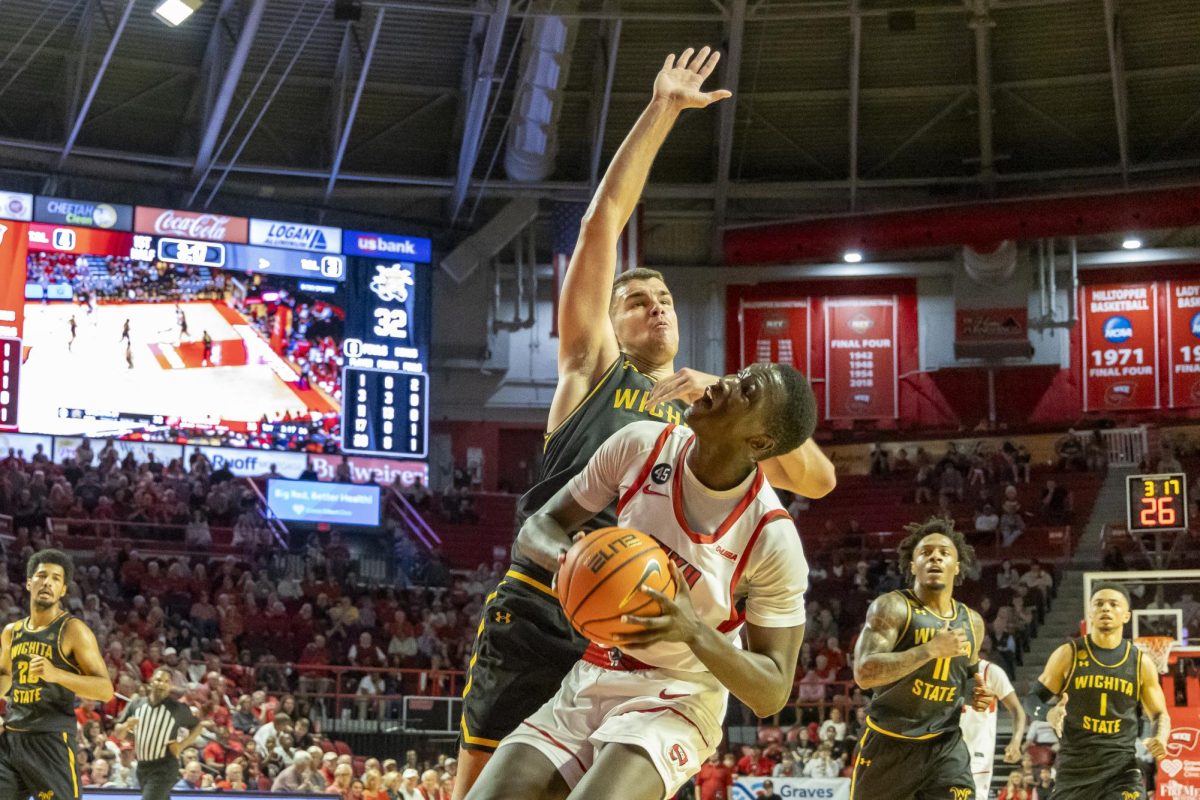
[[1156, 502], [385, 397]]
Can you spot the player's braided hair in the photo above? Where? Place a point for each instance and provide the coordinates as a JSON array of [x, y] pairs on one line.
[[945, 526]]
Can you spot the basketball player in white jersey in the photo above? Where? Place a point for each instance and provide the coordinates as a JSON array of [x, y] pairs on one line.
[[637, 722], [979, 728]]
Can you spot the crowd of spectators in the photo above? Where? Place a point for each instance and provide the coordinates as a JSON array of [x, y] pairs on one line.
[[107, 488], [124, 279]]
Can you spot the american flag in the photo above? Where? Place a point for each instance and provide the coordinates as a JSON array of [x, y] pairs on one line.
[[565, 219]]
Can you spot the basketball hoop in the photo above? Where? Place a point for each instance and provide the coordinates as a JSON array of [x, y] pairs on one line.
[[1159, 650]]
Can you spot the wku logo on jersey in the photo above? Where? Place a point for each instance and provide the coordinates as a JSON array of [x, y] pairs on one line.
[[690, 573]]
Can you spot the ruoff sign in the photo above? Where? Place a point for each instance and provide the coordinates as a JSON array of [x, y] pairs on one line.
[[295, 236], [191, 225]]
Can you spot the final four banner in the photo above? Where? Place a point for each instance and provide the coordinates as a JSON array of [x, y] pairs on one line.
[[1183, 343], [1120, 347], [779, 332], [861, 372]]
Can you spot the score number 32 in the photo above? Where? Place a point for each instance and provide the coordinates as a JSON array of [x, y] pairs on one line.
[[1158, 512], [391, 323]]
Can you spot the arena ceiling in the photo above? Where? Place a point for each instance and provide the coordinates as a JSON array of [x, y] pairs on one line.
[[840, 105]]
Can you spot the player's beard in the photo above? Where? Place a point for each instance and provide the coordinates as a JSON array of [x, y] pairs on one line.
[[41, 604]]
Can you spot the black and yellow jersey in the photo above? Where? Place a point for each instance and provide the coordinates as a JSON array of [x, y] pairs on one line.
[[34, 705], [617, 399], [1104, 689], [926, 702]]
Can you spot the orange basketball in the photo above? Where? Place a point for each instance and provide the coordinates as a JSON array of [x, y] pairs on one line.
[[601, 580]]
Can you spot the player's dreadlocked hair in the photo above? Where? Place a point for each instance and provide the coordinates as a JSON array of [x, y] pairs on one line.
[[945, 526]]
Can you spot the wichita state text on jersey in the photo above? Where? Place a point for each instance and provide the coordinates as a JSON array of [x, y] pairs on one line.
[[926, 702]]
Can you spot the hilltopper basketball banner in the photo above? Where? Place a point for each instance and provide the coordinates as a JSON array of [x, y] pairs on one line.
[[1183, 343], [860, 358], [1179, 772], [1120, 347], [775, 332], [794, 788]]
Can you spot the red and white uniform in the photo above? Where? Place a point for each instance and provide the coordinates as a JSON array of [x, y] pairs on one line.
[[979, 727], [729, 545]]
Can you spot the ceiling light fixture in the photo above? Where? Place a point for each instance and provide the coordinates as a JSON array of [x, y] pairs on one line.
[[1131, 243], [852, 257], [175, 12]]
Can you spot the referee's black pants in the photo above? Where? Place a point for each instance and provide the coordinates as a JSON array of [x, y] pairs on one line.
[[157, 777]]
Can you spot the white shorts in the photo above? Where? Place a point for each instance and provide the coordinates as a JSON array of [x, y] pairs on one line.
[[981, 771], [674, 716]]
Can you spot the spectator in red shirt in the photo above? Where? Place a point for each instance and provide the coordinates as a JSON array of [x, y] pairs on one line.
[[234, 781], [153, 658], [218, 753], [86, 712], [715, 778], [755, 763]]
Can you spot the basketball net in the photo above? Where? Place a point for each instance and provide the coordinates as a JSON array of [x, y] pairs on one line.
[[1159, 650]]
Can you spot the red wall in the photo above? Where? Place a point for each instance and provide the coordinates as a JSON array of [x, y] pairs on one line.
[[496, 439]]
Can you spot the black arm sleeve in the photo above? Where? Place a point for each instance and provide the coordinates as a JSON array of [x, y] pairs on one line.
[[1042, 693]]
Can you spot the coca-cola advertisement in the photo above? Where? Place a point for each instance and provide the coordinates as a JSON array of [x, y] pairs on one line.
[[191, 225]]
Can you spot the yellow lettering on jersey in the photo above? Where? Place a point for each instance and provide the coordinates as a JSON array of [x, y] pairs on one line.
[[26, 696], [626, 399], [932, 691], [923, 635], [1107, 683], [32, 649], [1107, 726], [961, 793]]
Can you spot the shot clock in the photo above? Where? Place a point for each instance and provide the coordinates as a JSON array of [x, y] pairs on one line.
[[1156, 502]]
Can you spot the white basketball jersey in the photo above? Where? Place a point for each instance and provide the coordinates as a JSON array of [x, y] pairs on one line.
[[979, 727], [729, 546]]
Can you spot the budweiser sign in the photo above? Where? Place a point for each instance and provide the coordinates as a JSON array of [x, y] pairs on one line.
[[191, 225]]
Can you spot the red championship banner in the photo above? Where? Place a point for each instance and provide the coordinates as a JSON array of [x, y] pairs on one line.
[[1179, 773], [1120, 347], [78, 241], [191, 225], [861, 373], [776, 332], [13, 250], [1183, 343]]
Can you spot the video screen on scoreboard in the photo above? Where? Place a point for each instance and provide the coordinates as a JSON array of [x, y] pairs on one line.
[[315, 502], [193, 333]]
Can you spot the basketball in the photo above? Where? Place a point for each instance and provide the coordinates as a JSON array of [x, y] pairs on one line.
[[601, 578]]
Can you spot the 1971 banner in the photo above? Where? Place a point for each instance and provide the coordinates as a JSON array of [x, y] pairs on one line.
[[1120, 347], [861, 373], [1183, 343], [775, 331]]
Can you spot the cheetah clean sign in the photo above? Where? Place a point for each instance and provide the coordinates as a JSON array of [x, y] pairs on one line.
[[794, 788]]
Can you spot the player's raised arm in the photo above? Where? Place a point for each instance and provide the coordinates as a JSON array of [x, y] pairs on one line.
[[875, 663], [587, 342], [806, 471], [1155, 706]]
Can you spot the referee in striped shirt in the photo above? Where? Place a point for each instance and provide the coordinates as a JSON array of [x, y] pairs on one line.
[[155, 723]]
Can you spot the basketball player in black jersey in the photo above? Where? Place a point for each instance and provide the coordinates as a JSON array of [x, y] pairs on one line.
[[1102, 678], [918, 654], [47, 659], [613, 369]]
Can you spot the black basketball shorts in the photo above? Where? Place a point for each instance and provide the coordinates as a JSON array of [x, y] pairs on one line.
[[523, 650], [38, 765], [890, 768]]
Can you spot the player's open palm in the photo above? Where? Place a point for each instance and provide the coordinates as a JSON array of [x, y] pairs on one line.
[[680, 80]]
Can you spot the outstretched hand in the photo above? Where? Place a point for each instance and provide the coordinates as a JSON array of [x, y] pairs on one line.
[[680, 79], [686, 385]]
